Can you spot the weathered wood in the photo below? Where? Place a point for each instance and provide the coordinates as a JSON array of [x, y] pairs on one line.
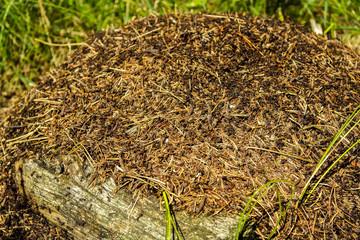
[[65, 198]]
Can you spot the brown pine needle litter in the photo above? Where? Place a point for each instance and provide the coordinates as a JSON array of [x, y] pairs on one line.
[[208, 108]]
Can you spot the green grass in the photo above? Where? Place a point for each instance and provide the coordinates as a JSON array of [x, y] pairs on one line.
[[339, 137], [349, 124], [24, 59], [245, 214], [170, 222]]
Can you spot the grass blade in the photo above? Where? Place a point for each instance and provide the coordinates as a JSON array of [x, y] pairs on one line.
[[169, 220], [327, 153], [4, 19], [244, 217]]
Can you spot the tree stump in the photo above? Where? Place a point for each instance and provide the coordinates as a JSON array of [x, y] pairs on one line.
[[66, 198]]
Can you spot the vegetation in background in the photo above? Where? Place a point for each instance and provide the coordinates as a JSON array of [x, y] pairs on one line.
[[35, 34]]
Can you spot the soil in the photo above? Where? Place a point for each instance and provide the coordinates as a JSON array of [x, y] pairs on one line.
[[207, 107]]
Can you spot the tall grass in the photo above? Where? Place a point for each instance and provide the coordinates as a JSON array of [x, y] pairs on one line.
[[24, 59]]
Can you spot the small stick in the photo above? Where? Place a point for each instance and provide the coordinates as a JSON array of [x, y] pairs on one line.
[[58, 44], [281, 153]]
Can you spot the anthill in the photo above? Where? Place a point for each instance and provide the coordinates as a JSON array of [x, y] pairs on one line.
[[206, 107]]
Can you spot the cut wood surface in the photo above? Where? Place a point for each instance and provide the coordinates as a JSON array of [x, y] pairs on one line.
[[65, 198]]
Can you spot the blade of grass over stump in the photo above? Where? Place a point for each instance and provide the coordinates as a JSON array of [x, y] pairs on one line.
[[169, 220], [328, 151], [244, 216]]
